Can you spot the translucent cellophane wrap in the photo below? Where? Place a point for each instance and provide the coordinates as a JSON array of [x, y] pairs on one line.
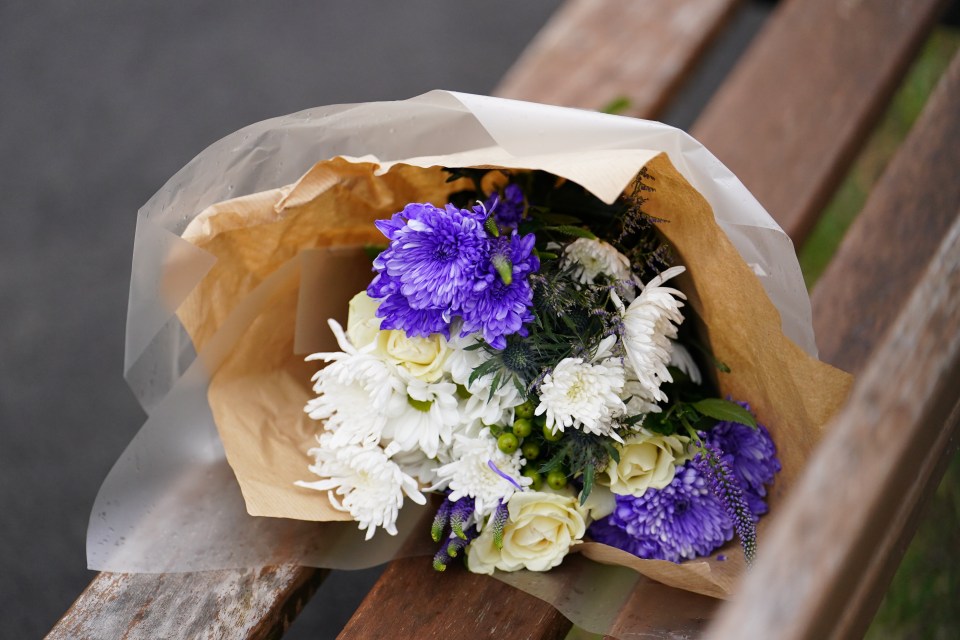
[[244, 254]]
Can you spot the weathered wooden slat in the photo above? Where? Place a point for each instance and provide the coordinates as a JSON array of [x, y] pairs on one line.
[[458, 604], [255, 604], [828, 558], [794, 112], [884, 252], [593, 51]]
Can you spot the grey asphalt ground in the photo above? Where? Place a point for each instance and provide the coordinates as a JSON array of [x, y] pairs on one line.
[[100, 103]]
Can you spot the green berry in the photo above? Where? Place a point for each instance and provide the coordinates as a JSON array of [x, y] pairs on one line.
[[534, 475], [522, 427], [556, 479], [530, 450], [525, 410], [550, 436], [508, 443]]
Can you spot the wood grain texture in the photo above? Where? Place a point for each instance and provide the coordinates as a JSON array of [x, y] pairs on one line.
[[411, 600], [657, 611], [252, 604], [884, 252], [790, 118], [594, 51], [826, 562]]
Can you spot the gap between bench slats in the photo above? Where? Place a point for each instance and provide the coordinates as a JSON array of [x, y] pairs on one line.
[[837, 542], [593, 51]]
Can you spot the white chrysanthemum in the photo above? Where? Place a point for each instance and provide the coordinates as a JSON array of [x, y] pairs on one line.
[[471, 474], [637, 401], [463, 360], [584, 395], [650, 325], [681, 359], [479, 407], [363, 482], [356, 394], [427, 422], [417, 465], [593, 257]]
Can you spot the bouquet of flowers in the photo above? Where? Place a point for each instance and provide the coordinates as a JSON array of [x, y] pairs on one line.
[[550, 320], [520, 353]]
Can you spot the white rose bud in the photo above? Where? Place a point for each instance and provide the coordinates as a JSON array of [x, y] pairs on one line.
[[540, 530], [423, 358], [647, 460]]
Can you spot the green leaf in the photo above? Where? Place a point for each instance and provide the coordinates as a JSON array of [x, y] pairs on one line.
[[587, 484], [612, 451], [632, 420], [570, 230], [555, 461], [481, 371], [617, 106], [725, 410]]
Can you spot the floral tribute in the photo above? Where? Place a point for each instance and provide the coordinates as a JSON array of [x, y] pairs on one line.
[[521, 351]]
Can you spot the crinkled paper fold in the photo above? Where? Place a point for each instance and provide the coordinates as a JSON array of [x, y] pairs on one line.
[[242, 256]]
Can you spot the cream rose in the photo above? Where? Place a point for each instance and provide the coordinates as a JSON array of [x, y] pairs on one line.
[[363, 325], [423, 358], [539, 532], [646, 460]]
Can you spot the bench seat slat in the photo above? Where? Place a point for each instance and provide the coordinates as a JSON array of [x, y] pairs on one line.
[[593, 51], [792, 115], [826, 561], [253, 603], [479, 607]]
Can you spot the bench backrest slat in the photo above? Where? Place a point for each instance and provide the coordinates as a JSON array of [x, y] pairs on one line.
[[594, 51], [792, 115]]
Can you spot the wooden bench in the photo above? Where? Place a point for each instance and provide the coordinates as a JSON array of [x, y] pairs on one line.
[[788, 121]]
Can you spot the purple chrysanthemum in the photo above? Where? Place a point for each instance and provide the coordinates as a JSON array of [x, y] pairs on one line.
[[610, 531], [681, 521], [433, 255], [497, 306], [751, 455], [507, 208], [397, 313]]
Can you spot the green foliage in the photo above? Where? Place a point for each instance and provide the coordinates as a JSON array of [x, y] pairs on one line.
[[618, 105], [724, 410]]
